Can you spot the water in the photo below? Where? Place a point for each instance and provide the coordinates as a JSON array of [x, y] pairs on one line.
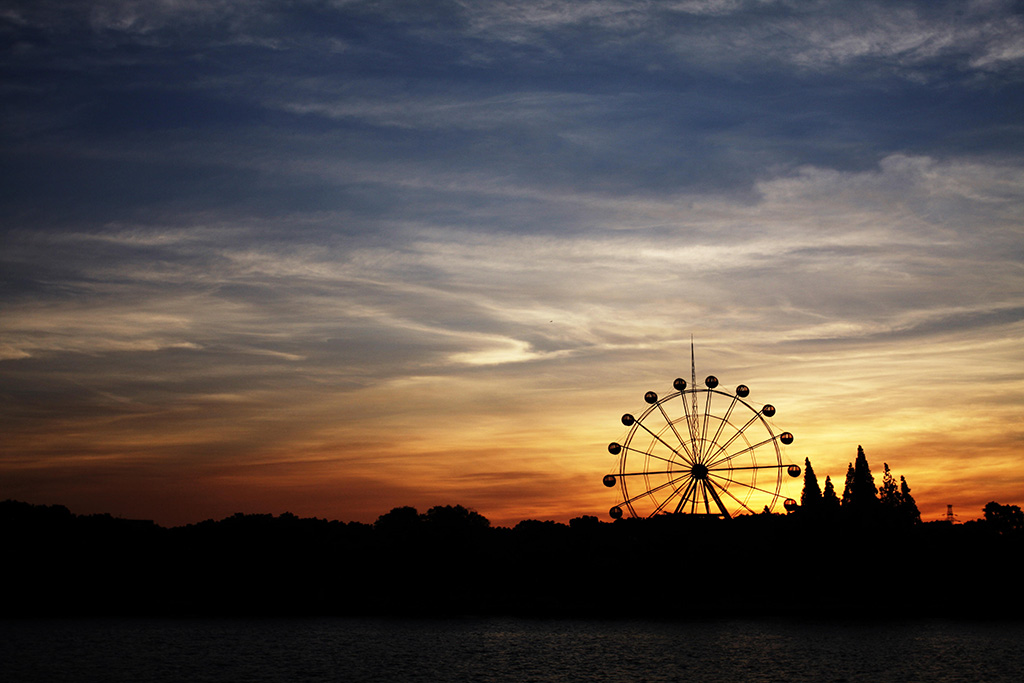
[[141, 650]]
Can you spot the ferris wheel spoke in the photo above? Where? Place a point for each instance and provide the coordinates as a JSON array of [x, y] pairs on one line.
[[718, 501], [656, 457], [707, 500], [736, 435], [640, 474], [661, 441], [750, 467], [738, 501], [704, 425], [668, 498], [701, 493], [725, 419], [698, 491], [690, 419], [682, 441], [650, 491], [686, 495], [748, 449], [722, 478], [737, 482]]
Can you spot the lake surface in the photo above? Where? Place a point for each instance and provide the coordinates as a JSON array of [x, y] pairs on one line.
[[498, 649]]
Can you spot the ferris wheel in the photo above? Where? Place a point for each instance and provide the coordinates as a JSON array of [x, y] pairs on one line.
[[700, 450]]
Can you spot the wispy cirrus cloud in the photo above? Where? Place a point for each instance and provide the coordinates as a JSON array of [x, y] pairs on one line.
[[900, 240], [820, 36]]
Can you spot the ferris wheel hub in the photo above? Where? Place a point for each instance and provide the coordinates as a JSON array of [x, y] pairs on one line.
[[699, 471]]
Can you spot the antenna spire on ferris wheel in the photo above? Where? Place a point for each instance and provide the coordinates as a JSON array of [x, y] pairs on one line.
[[693, 375], [693, 365]]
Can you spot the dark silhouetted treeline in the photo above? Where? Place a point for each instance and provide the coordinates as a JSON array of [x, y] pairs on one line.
[[451, 561]]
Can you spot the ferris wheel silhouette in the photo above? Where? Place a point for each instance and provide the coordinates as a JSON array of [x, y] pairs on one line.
[[700, 450]]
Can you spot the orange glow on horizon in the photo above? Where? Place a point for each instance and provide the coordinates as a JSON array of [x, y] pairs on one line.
[[526, 452]]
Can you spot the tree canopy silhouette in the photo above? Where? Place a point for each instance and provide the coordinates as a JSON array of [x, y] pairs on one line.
[[829, 499], [1005, 519], [399, 521], [908, 506], [451, 561], [848, 487], [888, 492], [810, 497], [455, 518], [895, 502], [860, 496], [861, 500]]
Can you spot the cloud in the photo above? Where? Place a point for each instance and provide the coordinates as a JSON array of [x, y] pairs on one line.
[[909, 39], [895, 247], [132, 18], [484, 112]]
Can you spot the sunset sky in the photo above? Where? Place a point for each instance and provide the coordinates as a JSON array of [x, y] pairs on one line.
[[334, 257]]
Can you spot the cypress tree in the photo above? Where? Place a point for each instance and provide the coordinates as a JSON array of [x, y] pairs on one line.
[[810, 497], [829, 500], [848, 486], [889, 494], [908, 506], [863, 493]]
